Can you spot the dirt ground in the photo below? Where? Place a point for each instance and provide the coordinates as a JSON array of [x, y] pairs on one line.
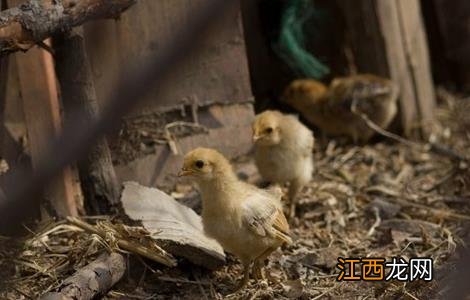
[[385, 199]]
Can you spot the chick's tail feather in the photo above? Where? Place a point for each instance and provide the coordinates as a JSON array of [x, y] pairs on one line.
[[284, 237]]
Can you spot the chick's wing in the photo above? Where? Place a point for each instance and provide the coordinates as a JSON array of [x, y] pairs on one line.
[[304, 136], [307, 144], [344, 91], [264, 217]]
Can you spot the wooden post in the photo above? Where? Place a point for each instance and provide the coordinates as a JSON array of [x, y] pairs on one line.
[[418, 61], [42, 116], [98, 179], [388, 39], [43, 121]]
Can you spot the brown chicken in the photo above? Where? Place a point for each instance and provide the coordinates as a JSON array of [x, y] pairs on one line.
[[247, 221], [283, 151], [330, 109]]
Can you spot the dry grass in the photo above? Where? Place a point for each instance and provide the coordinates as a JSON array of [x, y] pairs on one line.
[[380, 200]]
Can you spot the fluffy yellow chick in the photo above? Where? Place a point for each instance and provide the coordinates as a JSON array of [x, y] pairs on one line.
[[283, 151], [330, 108], [247, 221]]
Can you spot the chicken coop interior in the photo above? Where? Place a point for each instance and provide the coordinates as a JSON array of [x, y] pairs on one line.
[[252, 149]]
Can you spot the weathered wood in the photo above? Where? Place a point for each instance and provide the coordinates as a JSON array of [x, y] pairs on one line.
[[15, 145], [35, 20], [224, 122], [177, 227], [388, 39], [42, 117], [219, 74], [418, 61], [98, 179], [43, 121], [12, 127], [93, 280]]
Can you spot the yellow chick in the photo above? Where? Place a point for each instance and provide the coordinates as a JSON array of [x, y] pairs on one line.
[[330, 109], [247, 221], [283, 151]]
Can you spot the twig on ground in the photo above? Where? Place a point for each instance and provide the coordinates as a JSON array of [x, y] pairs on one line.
[[163, 257], [179, 280], [377, 222], [433, 147], [435, 211]]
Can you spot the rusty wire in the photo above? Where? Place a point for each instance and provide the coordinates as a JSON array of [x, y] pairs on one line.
[[21, 188]]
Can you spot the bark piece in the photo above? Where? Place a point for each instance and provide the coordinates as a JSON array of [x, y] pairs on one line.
[[177, 227], [98, 179], [30, 23], [92, 280]]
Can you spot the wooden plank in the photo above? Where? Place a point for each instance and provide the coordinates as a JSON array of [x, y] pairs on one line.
[[14, 144], [229, 132], [43, 121], [417, 54], [388, 39], [390, 29], [178, 228], [98, 179], [217, 75], [42, 117]]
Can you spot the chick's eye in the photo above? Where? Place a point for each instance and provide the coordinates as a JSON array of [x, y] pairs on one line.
[[269, 130], [199, 164]]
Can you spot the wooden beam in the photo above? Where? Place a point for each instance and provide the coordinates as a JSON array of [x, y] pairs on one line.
[[417, 56], [13, 130], [43, 122], [388, 39], [41, 108], [21, 27], [98, 179]]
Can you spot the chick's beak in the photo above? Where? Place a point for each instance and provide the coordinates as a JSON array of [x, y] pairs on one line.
[[185, 172], [256, 137]]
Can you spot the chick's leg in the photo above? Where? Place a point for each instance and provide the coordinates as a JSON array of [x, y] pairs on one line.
[[246, 276], [294, 189], [259, 264], [258, 269]]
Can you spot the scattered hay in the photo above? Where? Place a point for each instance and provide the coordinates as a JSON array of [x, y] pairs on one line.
[[380, 200]]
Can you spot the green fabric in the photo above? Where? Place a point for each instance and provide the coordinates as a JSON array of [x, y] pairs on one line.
[[291, 46]]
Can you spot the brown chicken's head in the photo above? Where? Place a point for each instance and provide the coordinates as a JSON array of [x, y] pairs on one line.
[[267, 129], [205, 164], [302, 91]]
